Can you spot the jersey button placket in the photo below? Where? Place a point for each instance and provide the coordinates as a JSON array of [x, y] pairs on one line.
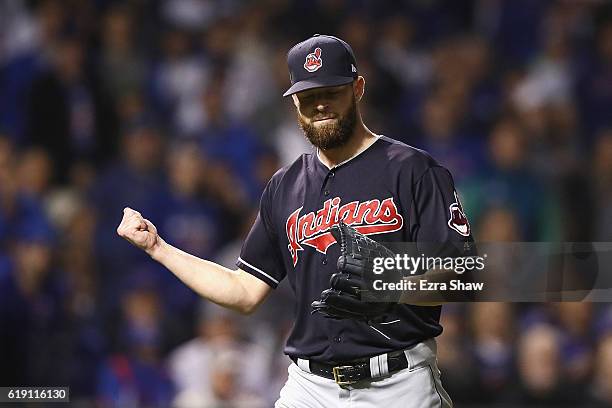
[[328, 180]]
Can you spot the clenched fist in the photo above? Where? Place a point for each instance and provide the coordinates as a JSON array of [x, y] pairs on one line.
[[139, 231]]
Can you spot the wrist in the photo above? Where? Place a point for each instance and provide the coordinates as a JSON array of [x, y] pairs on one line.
[[158, 250]]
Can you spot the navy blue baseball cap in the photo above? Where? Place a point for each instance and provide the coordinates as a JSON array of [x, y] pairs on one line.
[[320, 61]]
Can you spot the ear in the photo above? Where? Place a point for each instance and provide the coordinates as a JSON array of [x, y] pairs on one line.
[[359, 87]]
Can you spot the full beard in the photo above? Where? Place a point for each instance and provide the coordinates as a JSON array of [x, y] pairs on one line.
[[333, 135]]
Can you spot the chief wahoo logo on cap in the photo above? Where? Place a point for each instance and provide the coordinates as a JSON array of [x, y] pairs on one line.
[[313, 60]]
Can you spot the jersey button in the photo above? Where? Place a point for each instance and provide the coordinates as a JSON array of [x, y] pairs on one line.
[[337, 339], [326, 193], [324, 261], [332, 174]]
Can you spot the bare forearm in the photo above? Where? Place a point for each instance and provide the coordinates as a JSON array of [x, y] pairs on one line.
[[210, 280]]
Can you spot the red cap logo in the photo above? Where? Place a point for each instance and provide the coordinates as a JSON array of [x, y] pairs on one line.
[[313, 61]]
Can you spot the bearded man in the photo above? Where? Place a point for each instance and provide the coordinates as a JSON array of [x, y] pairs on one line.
[[356, 178]]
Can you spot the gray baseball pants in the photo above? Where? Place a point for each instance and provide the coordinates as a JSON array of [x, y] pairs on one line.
[[417, 386]]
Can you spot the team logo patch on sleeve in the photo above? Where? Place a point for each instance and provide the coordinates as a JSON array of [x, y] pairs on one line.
[[313, 60], [458, 221]]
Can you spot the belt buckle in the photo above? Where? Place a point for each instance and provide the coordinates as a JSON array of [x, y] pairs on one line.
[[339, 376]]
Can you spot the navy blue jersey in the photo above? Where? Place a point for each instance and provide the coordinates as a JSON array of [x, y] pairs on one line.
[[392, 192]]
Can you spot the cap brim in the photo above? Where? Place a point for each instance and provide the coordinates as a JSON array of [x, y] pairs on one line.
[[318, 83]]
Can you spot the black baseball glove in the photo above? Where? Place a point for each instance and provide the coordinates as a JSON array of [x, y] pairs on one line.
[[344, 299]]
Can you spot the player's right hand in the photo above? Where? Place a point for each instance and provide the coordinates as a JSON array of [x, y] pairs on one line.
[[138, 231]]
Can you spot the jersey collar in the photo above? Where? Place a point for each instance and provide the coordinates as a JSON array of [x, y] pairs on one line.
[[350, 158]]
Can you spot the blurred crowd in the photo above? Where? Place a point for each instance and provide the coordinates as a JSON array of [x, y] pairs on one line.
[[174, 108]]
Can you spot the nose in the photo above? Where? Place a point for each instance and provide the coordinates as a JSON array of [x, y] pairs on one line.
[[321, 105]]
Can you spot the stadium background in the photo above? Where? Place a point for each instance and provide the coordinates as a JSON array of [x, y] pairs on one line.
[[174, 108]]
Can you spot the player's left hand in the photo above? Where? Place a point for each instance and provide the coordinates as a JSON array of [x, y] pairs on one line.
[[344, 297]]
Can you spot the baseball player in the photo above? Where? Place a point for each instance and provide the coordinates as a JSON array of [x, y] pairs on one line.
[[357, 183]]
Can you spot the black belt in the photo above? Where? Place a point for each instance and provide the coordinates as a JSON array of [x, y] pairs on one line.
[[356, 370]]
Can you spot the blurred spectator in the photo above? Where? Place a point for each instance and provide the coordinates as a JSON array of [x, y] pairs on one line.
[[193, 14], [548, 81], [177, 82], [541, 382], [397, 54], [17, 32], [577, 189], [500, 19], [231, 145], [78, 261], [249, 77], [499, 225], [35, 173], [190, 364], [133, 180], [602, 382], [498, 234], [21, 206], [25, 42], [442, 138], [7, 187], [544, 101], [136, 376], [492, 327], [32, 311], [456, 363], [187, 218], [510, 182], [121, 65], [225, 389], [67, 115], [478, 65], [575, 322], [195, 366], [595, 89], [218, 43], [602, 180]]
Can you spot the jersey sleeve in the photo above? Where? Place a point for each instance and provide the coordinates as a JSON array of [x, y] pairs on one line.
[[260, 254], [437, 220]]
